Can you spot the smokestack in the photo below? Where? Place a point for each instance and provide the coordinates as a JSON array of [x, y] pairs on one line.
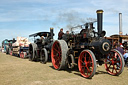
[[120, 24], [52, 34], [99, 21]]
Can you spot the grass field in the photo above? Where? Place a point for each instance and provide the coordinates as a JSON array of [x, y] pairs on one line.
[[16, 71]]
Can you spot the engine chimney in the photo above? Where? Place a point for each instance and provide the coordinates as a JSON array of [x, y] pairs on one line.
[[120, 23], [52, 34], [99, 21]]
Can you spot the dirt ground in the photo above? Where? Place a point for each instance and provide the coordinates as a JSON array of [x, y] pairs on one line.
[[16, 71]]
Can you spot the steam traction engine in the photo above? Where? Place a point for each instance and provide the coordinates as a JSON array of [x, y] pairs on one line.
[[5, 45], [9, 46], [41, 48], [85, 48]]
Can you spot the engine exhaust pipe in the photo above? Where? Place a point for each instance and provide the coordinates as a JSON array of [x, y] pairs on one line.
[[51, 33], [99, 21], [120, 23]]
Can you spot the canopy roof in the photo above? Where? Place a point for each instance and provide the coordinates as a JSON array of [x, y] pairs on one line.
[[45, 34], [119, 36]]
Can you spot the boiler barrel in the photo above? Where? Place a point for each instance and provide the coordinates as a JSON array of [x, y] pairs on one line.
[[102, 45]]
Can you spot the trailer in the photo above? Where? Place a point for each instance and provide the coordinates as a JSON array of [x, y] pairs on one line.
[[20, 47]]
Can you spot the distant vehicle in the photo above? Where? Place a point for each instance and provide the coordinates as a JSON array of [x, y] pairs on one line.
[[20, 47], [0, 49], [9, 46], [41, 48], [4, 44]]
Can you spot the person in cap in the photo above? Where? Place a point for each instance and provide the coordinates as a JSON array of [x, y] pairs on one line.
[[120, 49], [60, 34]]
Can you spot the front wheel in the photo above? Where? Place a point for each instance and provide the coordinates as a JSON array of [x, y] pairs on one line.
[[43, 56], [114, 63], [70, 61], [87, 63]]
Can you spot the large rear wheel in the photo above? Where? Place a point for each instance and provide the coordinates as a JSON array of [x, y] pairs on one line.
[[114, 63], [32, 51], [58, 54], [87, 63]]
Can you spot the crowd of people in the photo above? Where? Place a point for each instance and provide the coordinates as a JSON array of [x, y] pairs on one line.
[[60, 34]]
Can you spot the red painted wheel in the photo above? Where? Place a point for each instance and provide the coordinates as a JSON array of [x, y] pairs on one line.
[[87, 64], [58, 54], [114, 63], [22, 55]]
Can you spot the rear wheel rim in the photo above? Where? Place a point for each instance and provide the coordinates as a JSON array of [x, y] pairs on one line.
[[86, 64], [113, 63], [56, 55]]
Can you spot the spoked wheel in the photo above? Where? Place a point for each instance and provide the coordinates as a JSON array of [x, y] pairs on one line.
[[32, 51], [43, 56], [114, 63], [87, 64], [58, 54]]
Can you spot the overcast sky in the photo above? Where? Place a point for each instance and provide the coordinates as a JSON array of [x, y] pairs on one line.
[[25, 17]]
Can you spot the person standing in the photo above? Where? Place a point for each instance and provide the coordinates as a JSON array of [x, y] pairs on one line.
[[126, 59], [67, 32], [120, 49], [60, 34]]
